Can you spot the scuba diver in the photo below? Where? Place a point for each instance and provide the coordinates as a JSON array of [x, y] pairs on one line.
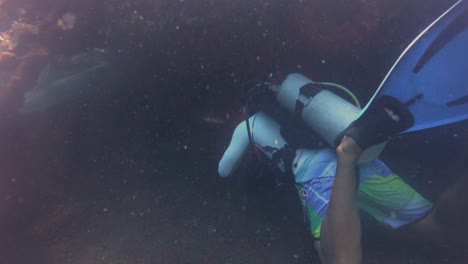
[[426, 87], [316, 170]]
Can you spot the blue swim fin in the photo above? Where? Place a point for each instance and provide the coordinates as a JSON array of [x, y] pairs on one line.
[[431, 76]]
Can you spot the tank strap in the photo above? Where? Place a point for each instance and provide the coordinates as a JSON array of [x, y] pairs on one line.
[[286, 156], [309, 90]]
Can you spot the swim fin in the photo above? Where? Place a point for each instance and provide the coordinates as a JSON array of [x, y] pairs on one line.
[[431, 75], [430, 78]]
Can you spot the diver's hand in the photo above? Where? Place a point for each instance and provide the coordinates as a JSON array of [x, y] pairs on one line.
[[348, 151]]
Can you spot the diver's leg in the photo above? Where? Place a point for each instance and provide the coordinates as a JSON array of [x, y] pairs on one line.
[[448, 218], [425, 230], [341, 229], [318, 248]]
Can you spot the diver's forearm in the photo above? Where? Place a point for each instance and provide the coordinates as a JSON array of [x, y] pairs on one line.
[[341, 230], [342, 200]]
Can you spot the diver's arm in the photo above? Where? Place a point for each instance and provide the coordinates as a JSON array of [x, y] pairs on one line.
[[341, 228], [236, 150], [265, 132]]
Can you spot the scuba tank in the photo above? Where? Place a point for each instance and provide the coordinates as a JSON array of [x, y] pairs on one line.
[[326, 113]]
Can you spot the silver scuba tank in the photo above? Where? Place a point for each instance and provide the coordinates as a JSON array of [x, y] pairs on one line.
[[324, 112]]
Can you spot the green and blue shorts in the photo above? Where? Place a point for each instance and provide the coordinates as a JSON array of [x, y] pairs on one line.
[[381, 193]]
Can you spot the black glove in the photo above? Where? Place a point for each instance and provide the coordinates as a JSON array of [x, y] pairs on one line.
[[385, 118]]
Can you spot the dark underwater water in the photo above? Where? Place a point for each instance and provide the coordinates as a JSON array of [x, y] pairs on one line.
[[129, 174]]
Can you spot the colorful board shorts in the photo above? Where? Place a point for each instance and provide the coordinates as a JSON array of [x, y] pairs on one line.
[[382, 194]]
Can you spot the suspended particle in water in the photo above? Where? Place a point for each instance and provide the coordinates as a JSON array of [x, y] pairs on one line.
[[67, 21]]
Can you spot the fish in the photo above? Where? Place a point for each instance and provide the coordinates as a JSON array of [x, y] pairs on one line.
[[214, 119], [71, 78]]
